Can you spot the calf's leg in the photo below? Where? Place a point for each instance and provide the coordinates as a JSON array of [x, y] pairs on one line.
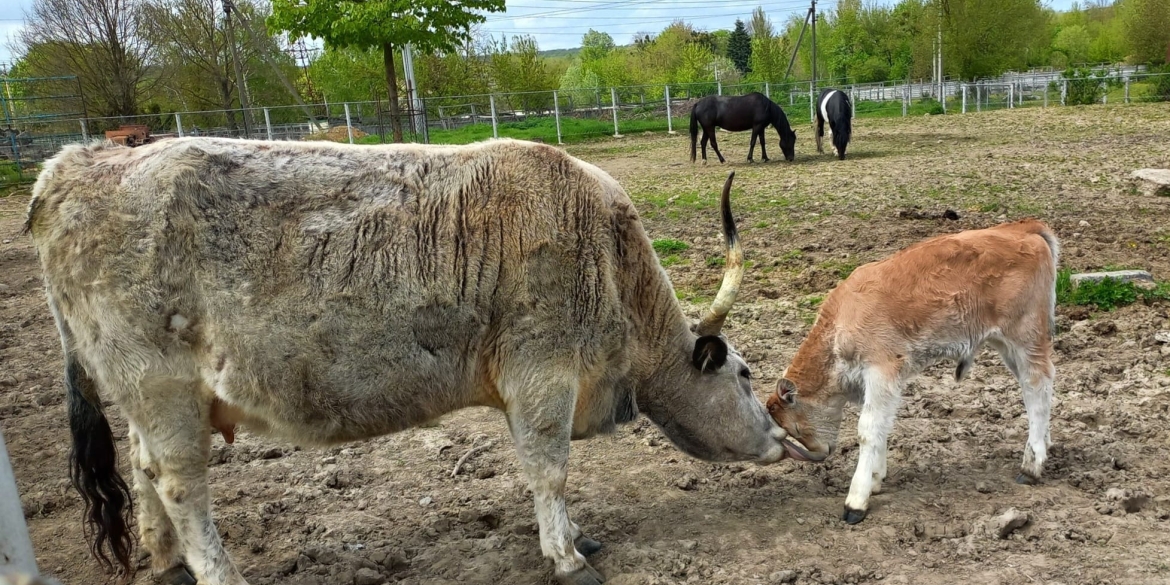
[[540, 417], [882, 396]]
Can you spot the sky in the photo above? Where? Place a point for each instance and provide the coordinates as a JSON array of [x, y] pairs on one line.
[[559, 24]]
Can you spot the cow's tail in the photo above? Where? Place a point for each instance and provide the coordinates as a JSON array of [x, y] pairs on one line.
[[1042, 230], [93, 462], [694, 133]]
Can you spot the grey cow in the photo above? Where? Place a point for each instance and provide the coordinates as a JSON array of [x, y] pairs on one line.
[[323, 293]]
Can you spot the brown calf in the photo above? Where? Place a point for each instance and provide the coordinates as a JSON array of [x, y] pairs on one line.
[[940, 299]]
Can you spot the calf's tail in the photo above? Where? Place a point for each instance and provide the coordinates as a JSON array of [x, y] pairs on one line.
[[694, 134]]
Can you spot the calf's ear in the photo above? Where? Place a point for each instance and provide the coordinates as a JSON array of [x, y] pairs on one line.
[[710, 353], [786, 390]]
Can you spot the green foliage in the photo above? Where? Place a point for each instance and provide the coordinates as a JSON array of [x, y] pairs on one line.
[[595, 46], [1161, 89], [739, 47], [1084, 87], [1074, 42], [1147, 28], [1106, 294], [670, 246]]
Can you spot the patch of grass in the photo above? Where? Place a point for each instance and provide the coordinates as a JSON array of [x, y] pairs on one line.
[[841, 269], [792, 255], [1107, 294], [670, 246], [671, 260], [713, 261], [543, 128]]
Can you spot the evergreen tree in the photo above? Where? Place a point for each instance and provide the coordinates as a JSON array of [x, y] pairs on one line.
[[739, 47]]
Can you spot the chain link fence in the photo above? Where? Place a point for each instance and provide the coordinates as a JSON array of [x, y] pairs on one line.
[[564, 116]]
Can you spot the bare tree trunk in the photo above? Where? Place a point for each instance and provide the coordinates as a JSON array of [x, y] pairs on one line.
[[392, 87]]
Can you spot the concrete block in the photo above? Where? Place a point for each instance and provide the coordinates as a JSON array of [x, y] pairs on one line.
[[1139, 278], [1152, 181]]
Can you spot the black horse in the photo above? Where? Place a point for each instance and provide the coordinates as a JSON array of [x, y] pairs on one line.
[[834, 106], [752, 112]]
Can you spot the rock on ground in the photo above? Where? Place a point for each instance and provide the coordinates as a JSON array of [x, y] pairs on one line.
[[1138, 277], [1152, 181], [1005, 524]]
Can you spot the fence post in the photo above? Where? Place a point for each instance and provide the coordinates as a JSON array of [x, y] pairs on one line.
[[179, 124], [719, 87], [348, 125], [964, 98], [1063, 91], [84, 131], [767, 90], [669, 122], [268, 123], [495, 127], [905, 98], [16, 551], [978, 98], [557, 113], [1046, 95], [1127, 89], [812, 109], [614, 103], [852, 102], [1011, 95]]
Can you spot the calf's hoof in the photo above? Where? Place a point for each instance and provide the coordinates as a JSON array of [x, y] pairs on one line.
[[177, 575], [584, 576], [586, 546], [1025, 478], [852, 516]]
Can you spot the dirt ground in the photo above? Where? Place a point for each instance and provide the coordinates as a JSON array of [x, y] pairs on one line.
[[390, 509]]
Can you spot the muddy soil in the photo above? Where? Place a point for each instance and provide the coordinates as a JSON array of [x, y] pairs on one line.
[[389, 510]]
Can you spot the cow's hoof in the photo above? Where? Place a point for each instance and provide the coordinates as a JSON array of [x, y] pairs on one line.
[[586, 546], [1025, 479], [177, 575], [584, 576], [852, 516]]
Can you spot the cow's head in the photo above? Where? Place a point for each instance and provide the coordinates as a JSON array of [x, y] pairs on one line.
[[703, 398], [811, 420]]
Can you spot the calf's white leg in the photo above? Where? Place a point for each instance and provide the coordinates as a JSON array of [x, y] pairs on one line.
[[540, 417], [1036, 383], [882, 396]]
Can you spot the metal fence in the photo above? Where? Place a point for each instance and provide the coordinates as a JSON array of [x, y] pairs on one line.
[[573, 115]]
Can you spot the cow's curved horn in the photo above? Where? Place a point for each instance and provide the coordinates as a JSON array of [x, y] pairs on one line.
[[733, 271]]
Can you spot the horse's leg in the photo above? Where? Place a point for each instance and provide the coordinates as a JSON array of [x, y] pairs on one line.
[[752, 148], [715, 146], [763, 149], [820, 132], [706, 137]]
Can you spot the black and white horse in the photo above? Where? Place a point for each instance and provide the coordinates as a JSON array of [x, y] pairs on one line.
[[835, 107], [753, 111]]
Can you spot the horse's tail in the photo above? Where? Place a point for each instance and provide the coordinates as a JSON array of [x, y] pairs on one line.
[[694, 133], [844, 129]]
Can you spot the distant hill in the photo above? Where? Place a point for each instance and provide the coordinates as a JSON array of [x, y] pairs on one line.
[[570, 53]]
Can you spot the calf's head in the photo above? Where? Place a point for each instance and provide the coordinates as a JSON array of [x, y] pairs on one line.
[[811, 420], [702, 394]]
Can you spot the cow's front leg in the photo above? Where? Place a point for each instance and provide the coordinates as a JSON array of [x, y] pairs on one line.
[[540, 418], [873, 428]]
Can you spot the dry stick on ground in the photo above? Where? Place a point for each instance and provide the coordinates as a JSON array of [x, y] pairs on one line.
[[468, 454]]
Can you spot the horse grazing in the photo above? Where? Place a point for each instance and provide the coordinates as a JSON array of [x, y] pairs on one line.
[[835, 107], [753, 111]]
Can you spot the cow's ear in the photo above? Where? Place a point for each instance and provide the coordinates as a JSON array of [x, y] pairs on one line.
[[786, 390], [710, 353]]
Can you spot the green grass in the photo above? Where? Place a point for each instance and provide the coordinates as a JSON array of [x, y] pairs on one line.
[[713, 261], [1105, 295], [545, 129], [670, 246]]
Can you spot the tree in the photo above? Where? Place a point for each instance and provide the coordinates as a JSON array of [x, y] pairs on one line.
[[739, 47], [760, 27], [986, 37], [595, 45], [428, 25], [1147, 26], [99, 41], [1073, 41]]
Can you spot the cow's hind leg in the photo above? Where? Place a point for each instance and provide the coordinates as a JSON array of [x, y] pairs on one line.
[[540, 417], [174, 431], [154, 526], [882, 395]]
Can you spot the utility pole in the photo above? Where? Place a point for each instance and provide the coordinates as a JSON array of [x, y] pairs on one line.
[[813, 12], [941, 77], [796, 49], [243, 89]]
